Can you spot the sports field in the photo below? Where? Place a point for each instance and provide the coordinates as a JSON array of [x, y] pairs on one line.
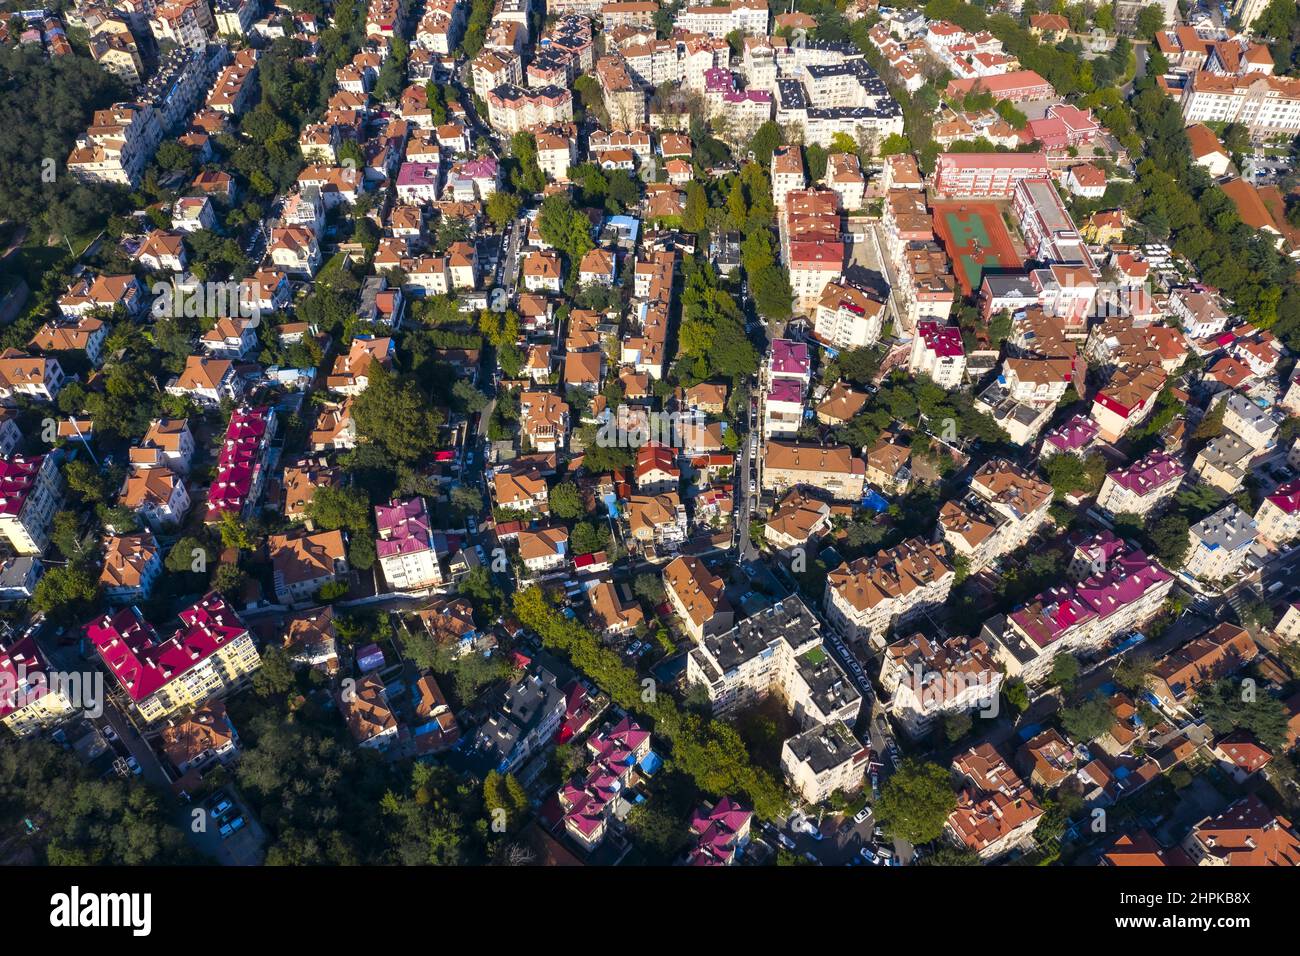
[[975, 239]]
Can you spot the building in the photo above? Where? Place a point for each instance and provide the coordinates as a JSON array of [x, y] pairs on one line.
[[241, 463], [1218, 653], [368, 714], [591, 799], [1224, 462], [1278, 517], [832, 468], [1220, 543], [407, 549], [1266, 105], [698, 598], [1004, 508], [776, 651], [1121, 589], [996, 812], [980, 175], [32, 697], [926, 679], [132, 565], [847, 317], [865, 597], [301, 564], [30, 493], [530, 713], [824, 760], [210, 655], [1247, 833], [937, 351], [721, 833], [201, 739], [1142, 487]]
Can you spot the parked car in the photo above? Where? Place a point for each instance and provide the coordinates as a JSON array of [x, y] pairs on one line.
[[862, 815]]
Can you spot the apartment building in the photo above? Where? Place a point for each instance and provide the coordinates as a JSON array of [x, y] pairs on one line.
[[824, 760], [1217, 653], [303, 563], [30, 493], [1122, 590], [241, 463], [210, 655], [865, 597], [1224, 462], [32, 699], [986, 175], [1220, 544], [1266, 105], [832, 468], [1127, 400], [937, 351], [847, 317], [591, 799], [1278, 516], [750, 17], [1247, 833], [132, 565], [996, 812], [1004, 508], [698, 597], [528, 717], [926, 679], [514, 108], [1143, 486], [117, 145], [407, 546], [776, 651]]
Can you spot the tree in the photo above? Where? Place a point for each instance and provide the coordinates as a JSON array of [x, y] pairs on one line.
[[915, 802], [895, 143], [275, 675], [948, 855], [956, 726], [1150, 21], [66, 594], [334, 507], [229, 579], [91, 484], [396, 415], [502, 208], [649, 588], [765, 142], [1230, 705], [1088, 720], [505, 800], [1132, 672], [1170, 539], [1065, 671], [1017, 695], [235, 533], [188, 555], [1068, 474], [566, 502], [696, 209]]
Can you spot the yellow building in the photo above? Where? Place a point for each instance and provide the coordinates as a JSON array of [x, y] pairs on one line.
[[211, 655]]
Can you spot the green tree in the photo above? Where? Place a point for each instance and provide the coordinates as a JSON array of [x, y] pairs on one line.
[[565, 501], [915, 801], [505, 799], [396, 415], [1065, 671], [502, 208], [275, 675], [1089, 720]]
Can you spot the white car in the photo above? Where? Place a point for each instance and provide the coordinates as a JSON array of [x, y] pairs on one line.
[[862, 815]]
